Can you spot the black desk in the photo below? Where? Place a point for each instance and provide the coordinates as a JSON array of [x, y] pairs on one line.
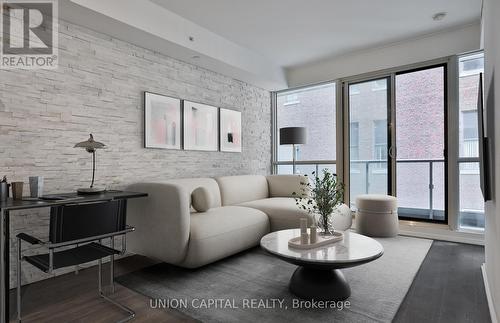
[[12, 205]]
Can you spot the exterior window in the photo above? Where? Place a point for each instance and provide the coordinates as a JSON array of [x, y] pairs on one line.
[[313, 108], [380, 85], [354, 142], [380, 142], [471, 64], [297, 152], [471, 215], [368, 110], [292, 99], [470, 134], [354, 89]]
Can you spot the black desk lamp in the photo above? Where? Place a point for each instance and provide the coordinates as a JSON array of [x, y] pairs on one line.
[[90, 146], [293, 136]]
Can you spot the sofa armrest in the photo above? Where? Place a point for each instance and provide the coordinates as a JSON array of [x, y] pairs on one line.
[[162, 221]]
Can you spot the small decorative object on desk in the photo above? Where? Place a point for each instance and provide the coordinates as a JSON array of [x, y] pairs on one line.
[[4, 189], [36, 186], [17, 190], [321, 199], [321, 240]]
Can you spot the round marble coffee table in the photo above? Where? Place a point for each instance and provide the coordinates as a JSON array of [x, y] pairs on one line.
[[318, 276]]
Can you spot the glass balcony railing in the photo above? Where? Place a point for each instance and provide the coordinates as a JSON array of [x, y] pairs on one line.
[[420, 186], [305, 167], [470, 195]]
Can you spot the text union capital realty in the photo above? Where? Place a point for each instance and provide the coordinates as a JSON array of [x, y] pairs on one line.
[[218, 303]]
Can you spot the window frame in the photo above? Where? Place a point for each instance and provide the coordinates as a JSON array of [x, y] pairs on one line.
[[342, 129]]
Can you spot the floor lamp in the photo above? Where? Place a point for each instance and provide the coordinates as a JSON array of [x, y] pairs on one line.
[[293, 136]]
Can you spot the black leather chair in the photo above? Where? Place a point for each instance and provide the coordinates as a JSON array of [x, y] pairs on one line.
[[81, 229]]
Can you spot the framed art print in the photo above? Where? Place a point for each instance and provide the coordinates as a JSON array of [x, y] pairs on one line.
[[200, 126], [230, 130], [162, 121]]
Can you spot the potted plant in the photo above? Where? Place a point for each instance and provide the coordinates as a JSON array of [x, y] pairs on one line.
[[321, 199]]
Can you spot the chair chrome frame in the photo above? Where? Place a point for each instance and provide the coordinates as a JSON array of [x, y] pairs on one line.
[[52, 246]]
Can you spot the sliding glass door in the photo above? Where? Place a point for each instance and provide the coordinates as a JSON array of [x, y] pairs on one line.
[[369, 143], [397, 140], [420, 143]]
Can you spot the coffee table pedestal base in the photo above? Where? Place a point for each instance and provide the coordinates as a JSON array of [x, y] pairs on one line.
[[319, 284]]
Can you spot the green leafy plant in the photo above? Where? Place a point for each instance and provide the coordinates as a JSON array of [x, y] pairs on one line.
[[321, 197]]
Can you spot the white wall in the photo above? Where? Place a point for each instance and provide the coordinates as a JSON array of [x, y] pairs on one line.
[[492, 235], [98, 88], [401, 53]]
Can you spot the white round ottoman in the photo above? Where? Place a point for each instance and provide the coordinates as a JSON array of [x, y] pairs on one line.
[[377, 215]]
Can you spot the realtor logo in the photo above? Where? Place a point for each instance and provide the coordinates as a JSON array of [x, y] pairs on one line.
[[29, 34]]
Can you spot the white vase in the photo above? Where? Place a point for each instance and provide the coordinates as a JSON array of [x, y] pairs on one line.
[[342, 218]]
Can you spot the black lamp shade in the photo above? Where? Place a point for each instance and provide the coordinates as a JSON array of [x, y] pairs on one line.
[[292, 136]]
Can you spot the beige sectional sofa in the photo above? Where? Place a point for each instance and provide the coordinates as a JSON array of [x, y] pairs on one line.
[[242, 210]]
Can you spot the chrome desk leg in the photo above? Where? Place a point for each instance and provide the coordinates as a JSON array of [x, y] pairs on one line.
[[18, 274], [131, 313], [100, 276], [112, 265], [100, 272]]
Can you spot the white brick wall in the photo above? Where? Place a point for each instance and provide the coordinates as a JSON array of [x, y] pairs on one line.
[[98, 89]]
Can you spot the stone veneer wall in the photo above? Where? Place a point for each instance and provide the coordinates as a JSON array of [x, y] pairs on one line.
[[97, 89]]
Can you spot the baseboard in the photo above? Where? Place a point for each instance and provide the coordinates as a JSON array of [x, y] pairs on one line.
[[437, 232], [489, 297], [444, 236]]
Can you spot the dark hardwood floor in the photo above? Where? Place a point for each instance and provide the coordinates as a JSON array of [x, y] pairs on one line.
[[74, 298], [447, 288]]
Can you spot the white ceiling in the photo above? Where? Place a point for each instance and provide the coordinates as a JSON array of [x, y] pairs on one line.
[[295, 32]]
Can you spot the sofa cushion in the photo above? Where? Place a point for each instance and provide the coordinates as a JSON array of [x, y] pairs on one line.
[[201, 199], [244, 188], [286, 185], [282, 212], [223, 231]]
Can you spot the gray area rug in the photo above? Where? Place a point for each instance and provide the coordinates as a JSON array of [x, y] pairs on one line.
[[255, 279]]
